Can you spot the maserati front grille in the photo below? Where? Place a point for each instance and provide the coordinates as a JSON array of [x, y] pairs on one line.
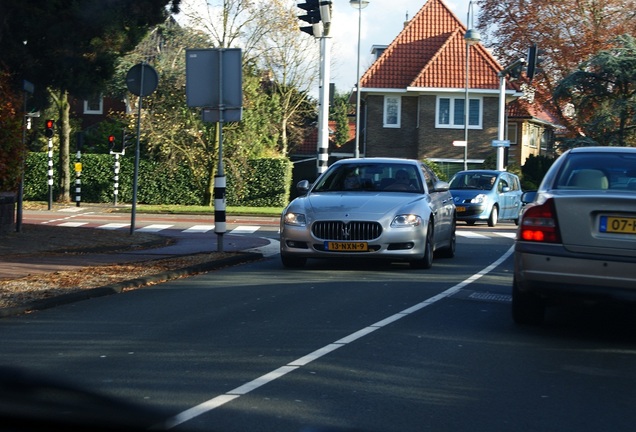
[[347, 231]]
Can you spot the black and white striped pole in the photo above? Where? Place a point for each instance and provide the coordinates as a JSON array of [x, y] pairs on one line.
[[116, 178], [219, 207], [48, 132], [78, 179], [78, 169], [117, 151]]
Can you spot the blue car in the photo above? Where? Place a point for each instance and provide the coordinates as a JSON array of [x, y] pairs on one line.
[[486, 196]]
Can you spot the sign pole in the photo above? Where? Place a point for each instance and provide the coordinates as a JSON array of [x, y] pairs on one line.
[[219, 178]]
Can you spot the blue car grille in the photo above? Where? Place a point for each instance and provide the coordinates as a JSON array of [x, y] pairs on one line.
[[347, 231]]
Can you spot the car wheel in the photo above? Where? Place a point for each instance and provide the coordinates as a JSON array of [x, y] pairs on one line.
[[527, 308], [449, 251], [293, 262], [492, 219], [426, 261]]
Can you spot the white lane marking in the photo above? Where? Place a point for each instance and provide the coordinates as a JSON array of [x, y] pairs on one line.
[[71, 209], [273, 248], [245, 229], [72, 224], [220, 400], [199, 229], [113, 226], [510, 235], [470, 234], [154, 228]]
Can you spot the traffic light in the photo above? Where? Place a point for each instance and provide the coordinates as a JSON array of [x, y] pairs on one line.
[[48, 128], [318, 14], [534, 61], [112, 145]]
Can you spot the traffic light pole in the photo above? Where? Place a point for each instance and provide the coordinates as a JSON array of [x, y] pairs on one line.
[[323, 102], [50, 173]]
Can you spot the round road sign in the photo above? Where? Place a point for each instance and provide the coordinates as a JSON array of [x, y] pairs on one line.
[[134, 79]]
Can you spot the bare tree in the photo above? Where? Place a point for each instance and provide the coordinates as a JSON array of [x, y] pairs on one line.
[[292, 59], [268, 35]]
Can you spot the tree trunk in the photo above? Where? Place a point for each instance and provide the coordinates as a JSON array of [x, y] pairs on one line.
[[64, 169]]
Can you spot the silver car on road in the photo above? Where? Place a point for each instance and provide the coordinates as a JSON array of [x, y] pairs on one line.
[[577, 238], [387, 208]]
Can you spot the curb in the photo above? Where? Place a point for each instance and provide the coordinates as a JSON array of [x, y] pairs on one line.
[[116, 288]]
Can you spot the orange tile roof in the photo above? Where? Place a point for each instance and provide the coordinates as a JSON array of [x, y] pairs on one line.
[[430, 52]]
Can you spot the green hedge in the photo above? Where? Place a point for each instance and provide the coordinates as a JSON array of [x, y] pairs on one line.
[[260, 183]]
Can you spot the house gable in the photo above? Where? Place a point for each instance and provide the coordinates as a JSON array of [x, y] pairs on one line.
[[425, 66], [427, 53]]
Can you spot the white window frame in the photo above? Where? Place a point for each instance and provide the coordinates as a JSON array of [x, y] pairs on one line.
[[100, 110], [390, 100], [452, 124]]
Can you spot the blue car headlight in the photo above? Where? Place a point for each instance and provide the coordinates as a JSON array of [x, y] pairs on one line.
[[296, 219], [479, 199], [406, 221]]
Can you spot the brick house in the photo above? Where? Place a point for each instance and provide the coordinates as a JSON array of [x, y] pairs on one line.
[[413, 97]]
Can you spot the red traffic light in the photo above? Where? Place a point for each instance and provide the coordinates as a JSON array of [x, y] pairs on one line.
[[48, 128], [111, 139]]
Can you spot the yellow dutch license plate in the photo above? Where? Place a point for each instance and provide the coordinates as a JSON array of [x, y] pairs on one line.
[[460, 209], [619, 225], [347, 246]]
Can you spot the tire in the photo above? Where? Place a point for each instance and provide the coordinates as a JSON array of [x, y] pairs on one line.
[[494, 215], [293, 262], [426, 262], [449, 251], [527, 308]]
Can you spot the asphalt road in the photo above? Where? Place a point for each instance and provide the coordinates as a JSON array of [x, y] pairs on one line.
[[343, 345]]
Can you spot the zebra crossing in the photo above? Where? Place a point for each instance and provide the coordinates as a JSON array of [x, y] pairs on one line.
[[251, 229]]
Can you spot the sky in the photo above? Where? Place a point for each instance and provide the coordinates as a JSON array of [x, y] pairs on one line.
[[382, 21]]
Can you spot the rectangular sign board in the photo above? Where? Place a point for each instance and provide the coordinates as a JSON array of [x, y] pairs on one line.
[[501, 143], [214, 80]]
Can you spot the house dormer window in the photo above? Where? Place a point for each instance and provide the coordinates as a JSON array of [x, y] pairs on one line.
[[392, 111], [450, 113], [94, 105]]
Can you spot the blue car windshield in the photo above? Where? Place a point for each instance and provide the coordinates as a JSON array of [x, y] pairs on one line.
[[481, 181], [370, 177]]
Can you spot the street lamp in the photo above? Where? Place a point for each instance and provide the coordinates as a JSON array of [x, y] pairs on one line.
[[472, 37], [358, 4]]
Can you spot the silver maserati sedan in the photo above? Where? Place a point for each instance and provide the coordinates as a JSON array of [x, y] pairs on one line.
[[385, 208]]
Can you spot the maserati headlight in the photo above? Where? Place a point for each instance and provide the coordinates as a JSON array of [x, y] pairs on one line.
[[406, 220], [478, 199], [296, 219]]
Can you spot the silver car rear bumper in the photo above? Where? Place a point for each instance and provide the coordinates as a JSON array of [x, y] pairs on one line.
[[550, 270]]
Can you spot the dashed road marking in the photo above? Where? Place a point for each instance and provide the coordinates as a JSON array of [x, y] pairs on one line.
[[154, 228], [245, 229], [72, 224], [113, 226], [199, 229]]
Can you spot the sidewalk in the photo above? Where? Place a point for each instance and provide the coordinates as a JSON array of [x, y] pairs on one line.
[[14, 266]]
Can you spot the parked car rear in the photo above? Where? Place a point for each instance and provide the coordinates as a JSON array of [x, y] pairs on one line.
[[577, 238]]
